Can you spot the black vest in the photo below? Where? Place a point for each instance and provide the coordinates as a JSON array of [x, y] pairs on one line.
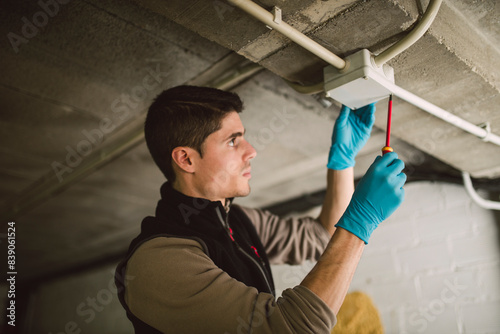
[[229, 239]]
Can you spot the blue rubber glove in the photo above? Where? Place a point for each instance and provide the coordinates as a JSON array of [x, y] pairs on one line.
[[350, 133], [378, 194]]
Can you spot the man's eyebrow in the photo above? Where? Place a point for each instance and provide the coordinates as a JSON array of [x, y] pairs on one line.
[[235, 134]]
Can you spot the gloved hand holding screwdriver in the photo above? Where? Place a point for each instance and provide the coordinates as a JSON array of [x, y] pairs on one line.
[[351, 215], [380, 192]]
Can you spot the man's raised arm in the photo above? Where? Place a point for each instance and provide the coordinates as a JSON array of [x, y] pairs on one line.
[[378, 194], [350, 133]]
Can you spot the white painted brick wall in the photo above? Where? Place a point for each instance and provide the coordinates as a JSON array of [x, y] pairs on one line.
[[432, 267]]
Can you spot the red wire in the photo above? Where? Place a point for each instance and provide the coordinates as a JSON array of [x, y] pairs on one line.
[[389, 116]]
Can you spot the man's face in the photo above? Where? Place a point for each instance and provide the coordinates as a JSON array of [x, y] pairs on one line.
[[224, 170]]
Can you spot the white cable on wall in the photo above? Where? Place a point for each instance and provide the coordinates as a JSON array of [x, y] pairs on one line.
[[486, 204]]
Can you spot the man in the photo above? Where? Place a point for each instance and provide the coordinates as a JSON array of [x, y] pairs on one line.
[[202, 265]]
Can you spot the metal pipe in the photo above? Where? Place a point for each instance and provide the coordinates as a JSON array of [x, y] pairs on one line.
[[123, 141], [237, 76], [486, 204], [448, 117], [413, 36], [274, 21], [308, 90]]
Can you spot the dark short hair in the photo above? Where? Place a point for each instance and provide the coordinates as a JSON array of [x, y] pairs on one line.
[[185, 116]]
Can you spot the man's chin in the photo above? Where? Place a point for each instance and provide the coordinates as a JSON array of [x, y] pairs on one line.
[[243, 192]]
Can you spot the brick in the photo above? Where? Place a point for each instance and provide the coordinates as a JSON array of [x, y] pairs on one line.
[[433, 317], [376, 265], [451, 288], [420, 198], [287, 276], [481, 317], [489, 279], [425, 257], [484, 219], [476, 249], [392, 235], [391, 294], [455, 195], [450, 222]]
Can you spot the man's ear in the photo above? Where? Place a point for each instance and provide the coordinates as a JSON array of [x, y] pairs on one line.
[[183, 157]]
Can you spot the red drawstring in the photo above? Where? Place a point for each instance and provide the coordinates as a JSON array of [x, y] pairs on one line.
[[232, 238], [255, 250]]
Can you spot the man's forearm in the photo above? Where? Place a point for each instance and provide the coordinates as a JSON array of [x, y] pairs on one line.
[[339, 190], [331, 276]]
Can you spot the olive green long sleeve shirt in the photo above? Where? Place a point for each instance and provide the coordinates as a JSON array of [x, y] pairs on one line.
[[176, 288]]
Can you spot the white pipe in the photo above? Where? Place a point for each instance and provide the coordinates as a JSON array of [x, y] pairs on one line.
[[275, 22], [237, 76], [486, 204], [413, 36], [485, 135], [127, 138], [308, 90]]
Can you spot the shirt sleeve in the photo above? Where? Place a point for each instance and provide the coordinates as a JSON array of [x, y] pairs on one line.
[[292, 240], [173, 286]]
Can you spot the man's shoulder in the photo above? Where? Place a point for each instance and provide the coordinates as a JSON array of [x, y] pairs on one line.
[[166, 243]]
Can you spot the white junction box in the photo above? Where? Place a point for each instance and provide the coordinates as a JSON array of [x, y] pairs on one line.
[[360, 83]]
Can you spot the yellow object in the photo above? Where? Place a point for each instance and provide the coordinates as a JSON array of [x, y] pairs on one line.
[[358, 315], [387, 149]]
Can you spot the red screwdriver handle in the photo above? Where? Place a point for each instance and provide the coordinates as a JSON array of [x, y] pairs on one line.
[[387, 148]]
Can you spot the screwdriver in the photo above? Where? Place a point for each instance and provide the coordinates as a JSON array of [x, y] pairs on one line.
[[387, 148]]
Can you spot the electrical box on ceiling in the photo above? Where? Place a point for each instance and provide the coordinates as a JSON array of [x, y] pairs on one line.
[[360, 83]]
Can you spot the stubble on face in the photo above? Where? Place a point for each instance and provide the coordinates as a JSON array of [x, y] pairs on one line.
[[225, 168]]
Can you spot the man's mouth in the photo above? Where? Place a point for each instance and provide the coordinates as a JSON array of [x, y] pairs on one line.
[[247, 173]]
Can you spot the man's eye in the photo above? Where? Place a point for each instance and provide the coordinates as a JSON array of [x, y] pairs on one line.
[[231, 142]]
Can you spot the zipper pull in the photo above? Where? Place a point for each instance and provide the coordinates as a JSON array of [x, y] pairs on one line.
[[255, 250]]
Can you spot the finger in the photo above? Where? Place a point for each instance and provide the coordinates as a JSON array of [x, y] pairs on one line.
[[344, 114], [401, 180], [402, 195], [367, 114], [396, 166], [387, 159]]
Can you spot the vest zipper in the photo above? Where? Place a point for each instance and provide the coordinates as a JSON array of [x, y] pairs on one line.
[[229, 231]]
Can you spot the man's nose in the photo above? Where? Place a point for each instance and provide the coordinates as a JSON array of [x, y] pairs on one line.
[[250, 152]]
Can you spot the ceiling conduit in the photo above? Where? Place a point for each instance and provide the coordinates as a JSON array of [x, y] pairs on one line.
[[274, 21], [48, 185], [130, 136], [413, 36]]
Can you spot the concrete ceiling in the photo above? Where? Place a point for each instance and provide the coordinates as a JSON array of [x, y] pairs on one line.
[[77, 78]]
